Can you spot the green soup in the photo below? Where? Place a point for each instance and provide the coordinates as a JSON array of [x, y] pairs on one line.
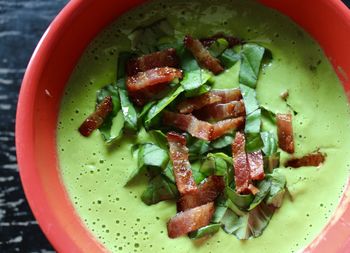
[[94, 174]]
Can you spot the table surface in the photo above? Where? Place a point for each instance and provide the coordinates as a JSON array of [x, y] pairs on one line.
[[22, 23]]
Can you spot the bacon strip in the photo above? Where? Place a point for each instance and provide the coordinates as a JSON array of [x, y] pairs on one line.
[[285, 132], [145, 85], [201, 129], [256, 165], [202, 55], [190, 220], [207, 192], [186, 122], [211, 97], [191, 104], [228, 95], [241, 166], [182, 168], [96, 119], [165, 58], [222, 111], [225, 126], [314, 159], [232, 41]]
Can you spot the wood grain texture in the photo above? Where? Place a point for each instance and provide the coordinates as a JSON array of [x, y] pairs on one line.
[[22, 23]]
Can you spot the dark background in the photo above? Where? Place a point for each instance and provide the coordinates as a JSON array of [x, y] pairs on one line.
[[22, 23]]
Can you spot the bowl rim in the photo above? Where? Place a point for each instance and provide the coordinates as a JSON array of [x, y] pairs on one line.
[[25, 156]]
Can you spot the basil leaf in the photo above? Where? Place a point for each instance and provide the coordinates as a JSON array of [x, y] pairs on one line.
[[197, 148], [229, 58], [149, 155], [152, 155], [249, 98], [219, 214], [234, 208], [159, 138], [241, 201], [188, 62], [252, 56], [112, 127], [214, 164], [159, 189], [277, 190], [195, 78], [222, 142], [271, 162], [169, 172], [198, 91], [252, 131], [198, 176], [128, 109], [268, 115], [162, 104], [144, 39], [264, 189], [251, 224], [270, 143], [146, 108], [218, 47], [205, 231]]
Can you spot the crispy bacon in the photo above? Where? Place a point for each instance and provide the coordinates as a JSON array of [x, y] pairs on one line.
[[202, 55], [182, 168], [256, 165], [313, 159], [201, 129], [225, 126], [96, 119], [190, 220], [211, 97], [241, 166], [228, 95], [145, 85], [165, 58], [191, 104], [207, 192], [222, 111], [186, 122], [285, 132], [232, 41]]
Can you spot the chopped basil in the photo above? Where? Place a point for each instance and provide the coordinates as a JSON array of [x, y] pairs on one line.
[[264, 189], [198, 91], [197, 148], [128, 109], [161, 104], [241, 201], [251, 56], [218, 47], [270, 143], [229, 58], [271, 162], [205, 231], [249, 98], [195, 79], [214, 164], [277, 190], [112, 126], [222, 142], [149, 155], [159, 189]]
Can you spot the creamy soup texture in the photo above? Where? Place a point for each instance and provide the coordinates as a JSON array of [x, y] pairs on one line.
[[94, 174]]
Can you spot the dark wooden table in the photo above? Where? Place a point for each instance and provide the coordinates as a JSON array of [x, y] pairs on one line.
[[22, 23]]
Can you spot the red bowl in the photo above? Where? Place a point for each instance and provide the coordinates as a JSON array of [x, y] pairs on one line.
[[328, 21]]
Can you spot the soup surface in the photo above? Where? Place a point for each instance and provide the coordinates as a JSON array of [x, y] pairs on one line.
[[94, 174]]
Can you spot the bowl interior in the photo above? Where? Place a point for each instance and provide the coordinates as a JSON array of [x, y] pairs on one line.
[[49, 70]]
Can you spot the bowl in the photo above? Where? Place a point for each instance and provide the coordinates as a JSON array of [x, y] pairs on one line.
[[54, 59]]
